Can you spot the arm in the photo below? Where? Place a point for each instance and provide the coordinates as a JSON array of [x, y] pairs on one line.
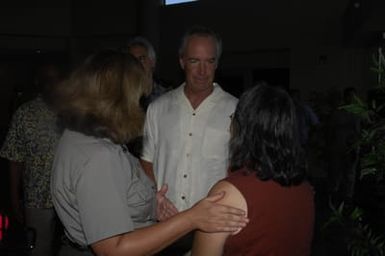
[[14, 149], [206, 215], [147, 168], [149, 141], [16, 170], [212, 244]]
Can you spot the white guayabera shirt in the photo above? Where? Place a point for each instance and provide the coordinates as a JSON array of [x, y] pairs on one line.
[[188, 148]]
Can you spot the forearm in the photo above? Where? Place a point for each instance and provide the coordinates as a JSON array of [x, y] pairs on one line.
[[148, 169], [207, 215], [146, 241], [150, 240], [209, 244]]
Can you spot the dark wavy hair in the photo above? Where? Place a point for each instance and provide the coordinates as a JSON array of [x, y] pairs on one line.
[[264, 136], [101, 97]]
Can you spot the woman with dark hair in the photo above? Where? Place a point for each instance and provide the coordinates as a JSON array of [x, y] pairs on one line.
[[102, 196], [267, 181]]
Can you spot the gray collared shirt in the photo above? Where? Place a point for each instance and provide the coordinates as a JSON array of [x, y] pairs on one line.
[[98, 189]]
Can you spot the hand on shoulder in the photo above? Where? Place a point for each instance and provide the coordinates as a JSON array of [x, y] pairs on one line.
[[233, 197]]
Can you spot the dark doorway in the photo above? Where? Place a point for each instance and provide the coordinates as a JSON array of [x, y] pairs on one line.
[[273, 76], [231, 83]]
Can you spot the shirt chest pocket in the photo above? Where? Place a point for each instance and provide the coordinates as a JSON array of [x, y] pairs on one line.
[[215, 143], [142, 196]]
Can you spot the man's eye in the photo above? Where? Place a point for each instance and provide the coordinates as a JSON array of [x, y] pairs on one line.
[[193, 60]]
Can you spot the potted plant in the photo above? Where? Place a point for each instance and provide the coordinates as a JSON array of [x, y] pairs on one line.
[[360, 227]]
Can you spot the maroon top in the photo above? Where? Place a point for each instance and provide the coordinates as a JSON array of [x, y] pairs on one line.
[[281, 218]]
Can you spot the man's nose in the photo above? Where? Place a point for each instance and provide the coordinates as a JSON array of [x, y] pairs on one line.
[[202, 68]]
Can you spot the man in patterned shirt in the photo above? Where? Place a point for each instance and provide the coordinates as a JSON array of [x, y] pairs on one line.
[[29, 146]]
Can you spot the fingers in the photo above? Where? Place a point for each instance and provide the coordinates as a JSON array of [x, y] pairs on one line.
[[228, 223], [171, 207], [224, 208], [223, 225], [216, 197], [165, 209], [210, 216], [232, 217], [165, 214], [163, 190], [232, 210], [227, 228]]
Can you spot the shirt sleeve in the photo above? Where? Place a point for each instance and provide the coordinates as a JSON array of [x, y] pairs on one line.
[[149, 140], [101, 192], [13, 148]]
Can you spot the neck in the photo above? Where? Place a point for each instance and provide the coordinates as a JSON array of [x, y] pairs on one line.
[[197, 97]]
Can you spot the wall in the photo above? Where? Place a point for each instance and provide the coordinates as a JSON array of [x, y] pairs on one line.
[[24, 32], [304, 37], [65, 29]]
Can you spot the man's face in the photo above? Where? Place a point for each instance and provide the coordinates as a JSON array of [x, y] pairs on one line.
[[141, 54], [199, 62]]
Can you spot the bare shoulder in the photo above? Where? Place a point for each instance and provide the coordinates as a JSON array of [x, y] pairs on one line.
[[233, 197]]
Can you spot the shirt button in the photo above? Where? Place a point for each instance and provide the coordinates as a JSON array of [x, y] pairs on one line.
[[185, 176], [187, 154], [190, 134], [183, 197], [194, 114]]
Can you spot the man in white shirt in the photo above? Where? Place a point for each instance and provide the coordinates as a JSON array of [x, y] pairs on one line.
[[187, 130]]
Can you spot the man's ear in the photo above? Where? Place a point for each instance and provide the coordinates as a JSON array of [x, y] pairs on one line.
[[181, 63]]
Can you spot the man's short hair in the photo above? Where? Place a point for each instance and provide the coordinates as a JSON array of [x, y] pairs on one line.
[[143, 42], [201, 31]]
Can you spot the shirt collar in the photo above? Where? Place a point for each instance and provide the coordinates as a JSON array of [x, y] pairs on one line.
[[212, 98]]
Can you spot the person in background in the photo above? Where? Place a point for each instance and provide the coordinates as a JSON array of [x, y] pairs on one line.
[[29, 146], [104, 199], [144, 51], [306, 118], [267, 180], [187, 129], [343, 130]]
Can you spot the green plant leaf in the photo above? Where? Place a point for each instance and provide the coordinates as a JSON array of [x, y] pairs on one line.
[[356, 214], [368, 171]]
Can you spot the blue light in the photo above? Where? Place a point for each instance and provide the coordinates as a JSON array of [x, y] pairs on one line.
[[169, 2]]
